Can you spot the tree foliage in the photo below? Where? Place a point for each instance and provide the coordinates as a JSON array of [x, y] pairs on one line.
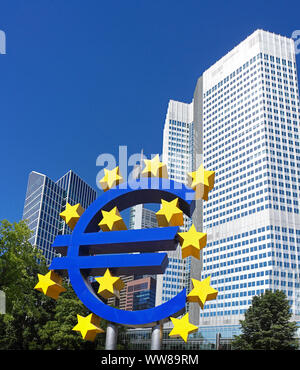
[[33, 320], [57, 332], [26, 309], [267, 324]]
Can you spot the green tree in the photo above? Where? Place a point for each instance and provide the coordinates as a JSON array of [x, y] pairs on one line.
[[267, 324], [57, 333], [26, 308], [33, 320], [18, 259]]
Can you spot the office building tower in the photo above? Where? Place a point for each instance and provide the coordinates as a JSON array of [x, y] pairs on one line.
[[179, 154], [142, 218], [247, 104], [245, 113], [76, 191], [45, 200]]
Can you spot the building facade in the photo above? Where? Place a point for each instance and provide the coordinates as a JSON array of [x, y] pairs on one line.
[[142, 218], [140, 339], [76, 191], [140, 294], [250, 119], [247, 108], [179, 154], [45, 200]]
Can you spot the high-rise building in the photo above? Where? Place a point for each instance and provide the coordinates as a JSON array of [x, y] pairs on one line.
[[142, 217], [247, 104], [245, 115], [77, 191], [179, 154], [45, 200], [247, 108]]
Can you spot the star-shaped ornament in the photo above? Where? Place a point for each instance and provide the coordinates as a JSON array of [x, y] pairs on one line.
[[50, 284], [182, 327], [192, 242], [112, 221], [72, 214], [111, 178], [110, 286], [88, 326], [202, 292], [169, 214], [155, 168], [201, 181]]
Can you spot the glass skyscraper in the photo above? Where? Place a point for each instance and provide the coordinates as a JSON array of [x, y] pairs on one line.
[[76, 191], [45, 200]]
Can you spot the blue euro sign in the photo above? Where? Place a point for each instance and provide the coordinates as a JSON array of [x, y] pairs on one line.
[[88, 252]]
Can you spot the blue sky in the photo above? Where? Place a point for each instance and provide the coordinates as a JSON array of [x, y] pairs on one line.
[[79, 78]]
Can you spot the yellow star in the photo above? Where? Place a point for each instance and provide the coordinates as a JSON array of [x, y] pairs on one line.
[[112, 221], [50, 284], [111, 178], [155, 168], [192, 242], [72, 214], [109, 285], [169, 214], [201, 181], [182, 327], [202, 292], [88, 326]]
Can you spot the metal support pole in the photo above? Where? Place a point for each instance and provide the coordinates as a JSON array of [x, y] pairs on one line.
[[111, 336], [156, 337], [2, 302], [218, 340]]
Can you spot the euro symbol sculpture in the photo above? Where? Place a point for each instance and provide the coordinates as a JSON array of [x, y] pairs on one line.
[[88, 252]]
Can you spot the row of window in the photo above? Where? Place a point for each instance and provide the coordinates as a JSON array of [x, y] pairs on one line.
[[219, 190], [208, 224], [258, 57], [244, 131]]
